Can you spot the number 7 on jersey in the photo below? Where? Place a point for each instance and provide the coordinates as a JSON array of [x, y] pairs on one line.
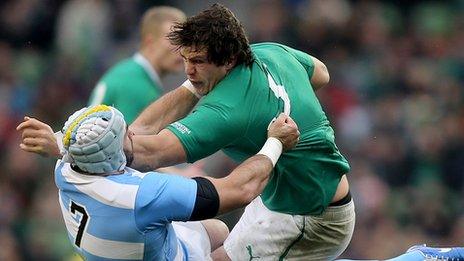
[[83, 222]]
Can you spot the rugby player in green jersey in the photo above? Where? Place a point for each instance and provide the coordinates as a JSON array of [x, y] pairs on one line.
[[305, 211], [133, 83]]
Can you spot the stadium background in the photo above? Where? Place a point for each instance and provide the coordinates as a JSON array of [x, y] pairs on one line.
[[395, 100]]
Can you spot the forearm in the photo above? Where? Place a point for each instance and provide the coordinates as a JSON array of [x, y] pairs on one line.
[[244, 184], [151, 152], [167, 109], [143, 156], [248, 180]]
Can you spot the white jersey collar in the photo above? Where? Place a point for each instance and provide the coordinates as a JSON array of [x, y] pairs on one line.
[[142, 61]]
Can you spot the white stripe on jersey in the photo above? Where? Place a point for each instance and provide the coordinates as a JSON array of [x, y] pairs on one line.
[[279, 91], [102, 247], [102, 189], [98, 94], [146, 65], [71, 224]]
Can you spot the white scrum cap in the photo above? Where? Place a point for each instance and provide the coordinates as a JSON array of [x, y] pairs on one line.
[[93, 138]]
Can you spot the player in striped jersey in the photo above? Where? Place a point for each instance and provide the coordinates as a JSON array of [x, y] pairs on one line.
[[113, 212]]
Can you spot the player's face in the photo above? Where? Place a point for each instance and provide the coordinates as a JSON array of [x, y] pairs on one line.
[[203, 74]]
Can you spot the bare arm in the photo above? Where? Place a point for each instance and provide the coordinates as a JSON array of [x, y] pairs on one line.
[[151, 151], [154, 151], [167, 109], [320, 76], [248, 180], [243, 184]]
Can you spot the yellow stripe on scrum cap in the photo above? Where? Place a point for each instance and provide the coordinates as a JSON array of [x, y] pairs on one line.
[[72, 126]]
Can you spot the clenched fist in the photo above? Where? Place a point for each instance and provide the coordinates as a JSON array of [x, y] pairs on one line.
[[38, 137], [286, 130]]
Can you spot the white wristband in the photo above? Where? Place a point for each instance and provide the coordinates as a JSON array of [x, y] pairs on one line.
[[65, 157], [187, 84], [59, 142], [272, 148]]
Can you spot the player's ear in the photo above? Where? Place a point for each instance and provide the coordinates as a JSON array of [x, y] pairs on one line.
[[148, 40], [231, 64]]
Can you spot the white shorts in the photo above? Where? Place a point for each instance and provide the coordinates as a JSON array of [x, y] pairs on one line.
[[269, 235], [194, 236]]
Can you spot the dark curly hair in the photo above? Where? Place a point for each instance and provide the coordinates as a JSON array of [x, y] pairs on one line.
[[218, 31]]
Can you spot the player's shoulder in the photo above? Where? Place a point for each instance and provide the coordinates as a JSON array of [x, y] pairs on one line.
[[121, 70], [237, 91], [125, 72], [268, 46], [265, 44], [122, 65], [270, 50]]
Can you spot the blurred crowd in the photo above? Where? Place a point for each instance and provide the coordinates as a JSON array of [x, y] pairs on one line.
[[396, 100]]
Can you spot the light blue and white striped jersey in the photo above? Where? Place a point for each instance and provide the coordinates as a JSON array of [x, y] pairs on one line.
[[126, 216]]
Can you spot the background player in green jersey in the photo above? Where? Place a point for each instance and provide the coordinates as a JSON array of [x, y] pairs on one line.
[[132, 84], [305, 211]]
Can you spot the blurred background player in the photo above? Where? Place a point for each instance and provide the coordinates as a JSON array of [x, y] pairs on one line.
[[132, 84], [96, 186]]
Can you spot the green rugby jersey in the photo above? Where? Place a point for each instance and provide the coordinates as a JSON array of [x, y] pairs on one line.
[[235, 115], [129, 86]]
